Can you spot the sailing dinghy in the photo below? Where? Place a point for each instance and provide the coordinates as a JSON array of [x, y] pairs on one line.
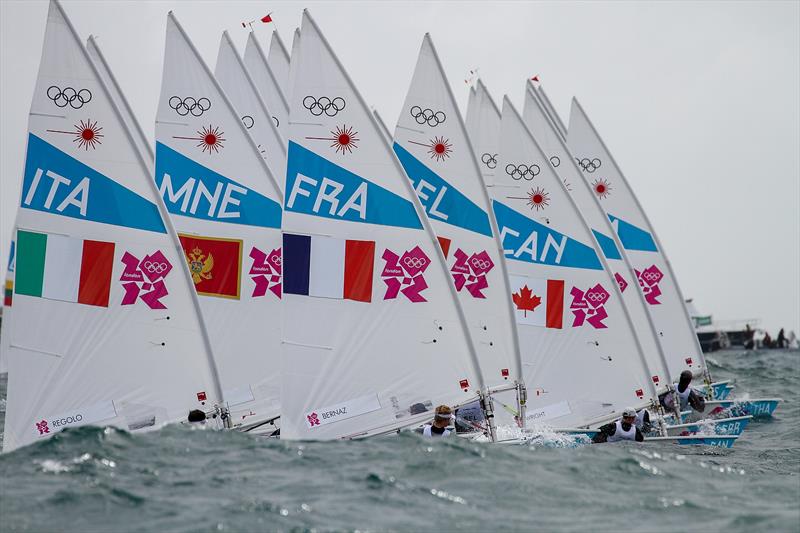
[[107, 330], [373, 338], [431, 142], [225, 204]]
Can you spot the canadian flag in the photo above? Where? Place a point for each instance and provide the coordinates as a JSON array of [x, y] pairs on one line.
[[538, 302]]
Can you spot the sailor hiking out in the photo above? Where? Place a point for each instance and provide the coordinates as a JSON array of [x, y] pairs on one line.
[[686, 395], [624, 429], [441, 421]]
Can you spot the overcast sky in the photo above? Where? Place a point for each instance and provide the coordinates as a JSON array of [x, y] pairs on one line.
[[698, 101]]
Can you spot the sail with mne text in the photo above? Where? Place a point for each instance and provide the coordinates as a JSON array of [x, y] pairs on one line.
[[225, 204], [105, 329], [431, 142], [574, 332], [373, 338]]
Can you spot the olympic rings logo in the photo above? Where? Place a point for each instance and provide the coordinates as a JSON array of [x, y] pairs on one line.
[[650, 276], [588, 165], [324, 105], [277, 122], [555, 161], [415, 262], [595, 296], [184, 106], [490, 160], [277, 261], [517, 172], [427, 116], [69, 96], [480, 263], [157, 268], [248, 121]]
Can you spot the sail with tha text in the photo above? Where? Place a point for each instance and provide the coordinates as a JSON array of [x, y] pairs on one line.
[[225, 204], [237, 83], [652, 269], [267, 83], [573, 328], [278, 61], [106, 330], [431, 142], [373, 338], [588, 199]]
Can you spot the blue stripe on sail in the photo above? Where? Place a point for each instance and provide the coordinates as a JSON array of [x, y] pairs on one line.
[[296, 263], [57, 183], [527, 240], [193, 190], [441, 200], [633, 237], [318, 187], [608, 245]]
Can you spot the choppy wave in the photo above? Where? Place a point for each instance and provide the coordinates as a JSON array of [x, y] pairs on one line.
[[180, 479]]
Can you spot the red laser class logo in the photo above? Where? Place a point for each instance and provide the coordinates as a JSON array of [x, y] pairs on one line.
[[439, 148], [86, 134], [601, 187], [209, 139], [343, 139]]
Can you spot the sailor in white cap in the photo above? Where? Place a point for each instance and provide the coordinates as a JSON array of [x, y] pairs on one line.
[[624, 429]]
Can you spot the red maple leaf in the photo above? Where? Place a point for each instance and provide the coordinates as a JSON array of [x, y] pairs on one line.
[[526, 300]]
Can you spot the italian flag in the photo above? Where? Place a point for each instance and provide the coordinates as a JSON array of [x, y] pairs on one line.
[[63, 268]]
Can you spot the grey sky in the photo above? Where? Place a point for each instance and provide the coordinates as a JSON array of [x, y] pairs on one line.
[[698, 101]]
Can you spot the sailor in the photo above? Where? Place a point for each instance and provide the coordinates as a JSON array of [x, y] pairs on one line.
[[196, 415], [687, 396], [624, 429], [643, 421], [440, 422]]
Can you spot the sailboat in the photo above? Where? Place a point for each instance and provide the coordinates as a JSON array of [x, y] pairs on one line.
[[268, 85], [588, 201], [107, 330], [373, 338], [256, 117], [431, 142], [653, 270], [225, 203]]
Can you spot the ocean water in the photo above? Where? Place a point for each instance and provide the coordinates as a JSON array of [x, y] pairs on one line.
[[182, 479]]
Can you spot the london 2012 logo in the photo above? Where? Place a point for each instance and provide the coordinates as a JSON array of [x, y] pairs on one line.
[[405, 274], [469, 272], [589, 306], [266, 272], [42, 427], [649, 278], [144, 279]]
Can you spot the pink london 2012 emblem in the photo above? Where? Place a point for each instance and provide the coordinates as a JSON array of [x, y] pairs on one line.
[[405, 274], [42, 427], [589, 306], [649, 279], [621, 282], [145, 279], [266, 272], [469, 272], [313, 420]]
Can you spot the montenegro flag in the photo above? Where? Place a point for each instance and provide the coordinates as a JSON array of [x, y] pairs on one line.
[[215, 264]]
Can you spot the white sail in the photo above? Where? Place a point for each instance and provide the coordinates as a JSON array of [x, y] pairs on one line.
[[432, 144], [384, 128], [373, 338], [551, 110], [588, 200], [105, 329], [483, 127], [646, 254], [582, 362], [8, 298], [115, 91], [253, 111], [268, 85], [278, 61], [225, 204]]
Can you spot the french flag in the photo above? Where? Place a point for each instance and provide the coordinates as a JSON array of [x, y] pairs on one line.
[[327, 267]]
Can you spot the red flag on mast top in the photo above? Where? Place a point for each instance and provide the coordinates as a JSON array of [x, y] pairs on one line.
[[266, 19], [535, 78]]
